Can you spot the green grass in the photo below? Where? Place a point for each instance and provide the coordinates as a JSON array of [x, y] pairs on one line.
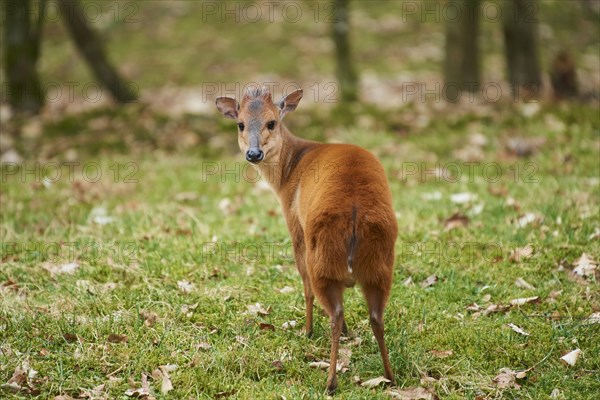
[[157, 238], [170, 221]]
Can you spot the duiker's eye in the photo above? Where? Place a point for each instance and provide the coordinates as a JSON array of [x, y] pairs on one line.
[[241, 126], [271, 125]]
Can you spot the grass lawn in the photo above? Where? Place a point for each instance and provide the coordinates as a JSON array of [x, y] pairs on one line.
[[156, 256], [171, 249]]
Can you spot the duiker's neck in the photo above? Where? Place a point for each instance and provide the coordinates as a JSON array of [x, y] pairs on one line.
[[281, 167]]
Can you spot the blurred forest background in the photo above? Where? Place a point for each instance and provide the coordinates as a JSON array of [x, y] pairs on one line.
[[384, 64]]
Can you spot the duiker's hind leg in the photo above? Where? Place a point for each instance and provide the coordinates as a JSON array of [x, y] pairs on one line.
[[344, 328], [376, 299], [331, 296]]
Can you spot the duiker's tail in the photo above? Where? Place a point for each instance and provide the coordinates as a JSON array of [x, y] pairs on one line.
[[352, 243]]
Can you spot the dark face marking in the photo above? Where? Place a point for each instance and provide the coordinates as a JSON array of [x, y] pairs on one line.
[[255, 124], [256, 106], [254, 132]]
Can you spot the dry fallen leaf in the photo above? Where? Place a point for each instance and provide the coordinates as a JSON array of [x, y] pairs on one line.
[[288, 324], [278, 365], [149, 317], [96, 393], [525, 146], [492, 308], [417, 393], [427, 380], [584, 266], [442, 353], [115, 338], [99, 215], [17, 382], [430, 281], [371, 383], [319, 364], [527, 219], [203, 346], [77, 354], [461, 198], [571, 357], [68, 268], [592, 319], [9, 285], [523, 284], [257, 309], [506, 379], [162, 374], [511, 202], [342, 364], [524, 300], [522, 374], [457, 220], [185, 286], [286, 290], [354, 342], [70, 337], [142, 392], [186, 196], [344, 356], [499, 191], [225, 206], [517, 329], [521, 253], [188, 309], [241, 340], [265, 326]]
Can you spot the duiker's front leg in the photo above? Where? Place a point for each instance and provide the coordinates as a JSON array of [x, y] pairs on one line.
[[309, 297]]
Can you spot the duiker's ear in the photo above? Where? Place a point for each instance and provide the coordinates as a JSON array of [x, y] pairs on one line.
[[229, 107], [289, 102]]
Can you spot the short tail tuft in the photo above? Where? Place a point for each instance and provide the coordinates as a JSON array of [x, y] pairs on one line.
[[353, 241]]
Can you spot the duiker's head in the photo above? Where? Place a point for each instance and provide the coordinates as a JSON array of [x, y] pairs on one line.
[[259, 121]]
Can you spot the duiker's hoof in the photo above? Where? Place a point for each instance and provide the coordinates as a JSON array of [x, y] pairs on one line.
[[392, 380], [332, 386]]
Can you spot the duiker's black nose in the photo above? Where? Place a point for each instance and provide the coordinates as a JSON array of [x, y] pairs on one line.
[[254, 155]]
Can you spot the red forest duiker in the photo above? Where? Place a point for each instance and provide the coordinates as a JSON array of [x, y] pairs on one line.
[[338, 207]]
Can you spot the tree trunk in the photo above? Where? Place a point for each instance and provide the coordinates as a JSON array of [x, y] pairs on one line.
[[520, 37], [345, 71], [90, 47], [461, 67], [21, 52]]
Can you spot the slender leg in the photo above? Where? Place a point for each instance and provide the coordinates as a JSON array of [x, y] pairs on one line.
[[331, 297], [376, 299], [344, 328], [309, 299]]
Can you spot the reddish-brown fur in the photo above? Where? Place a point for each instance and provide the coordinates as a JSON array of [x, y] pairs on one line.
[[338, 209]]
